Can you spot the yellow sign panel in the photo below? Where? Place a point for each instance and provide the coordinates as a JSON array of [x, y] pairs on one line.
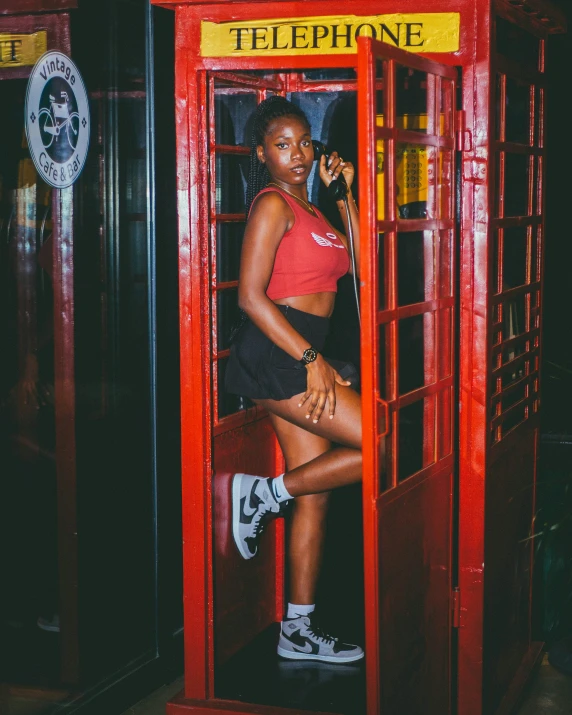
[[334, 35], [22, 50]]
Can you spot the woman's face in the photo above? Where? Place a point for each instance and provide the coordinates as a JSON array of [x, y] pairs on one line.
[[287, 150]]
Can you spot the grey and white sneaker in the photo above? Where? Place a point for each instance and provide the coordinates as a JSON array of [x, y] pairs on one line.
[[253, 506], [302, 639]]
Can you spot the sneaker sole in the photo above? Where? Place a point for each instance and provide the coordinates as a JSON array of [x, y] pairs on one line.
[[293, 655], [236, 484]]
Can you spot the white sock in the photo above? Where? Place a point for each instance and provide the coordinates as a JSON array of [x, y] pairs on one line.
[[295, 610], [279, 490]]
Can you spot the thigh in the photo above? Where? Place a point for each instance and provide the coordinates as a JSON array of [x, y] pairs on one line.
[[344, 428], [298, 445]]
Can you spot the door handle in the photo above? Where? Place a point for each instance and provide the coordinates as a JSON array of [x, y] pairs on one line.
[[382, 405]]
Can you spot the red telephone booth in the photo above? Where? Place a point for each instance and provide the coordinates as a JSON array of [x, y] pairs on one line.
[[448, 114]]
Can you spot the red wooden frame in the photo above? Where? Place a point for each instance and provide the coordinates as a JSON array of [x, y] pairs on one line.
[[475, 354]]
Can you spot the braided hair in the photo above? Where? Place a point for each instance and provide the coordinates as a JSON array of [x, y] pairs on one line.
[[267, 111]]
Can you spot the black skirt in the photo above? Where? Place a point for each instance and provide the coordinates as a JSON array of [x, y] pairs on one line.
[[259, 369]]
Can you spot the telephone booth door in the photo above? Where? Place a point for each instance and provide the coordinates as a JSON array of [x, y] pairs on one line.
[[406, 165]]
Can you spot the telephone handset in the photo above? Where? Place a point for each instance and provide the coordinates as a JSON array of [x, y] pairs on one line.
[[338, 187], [338, 190]]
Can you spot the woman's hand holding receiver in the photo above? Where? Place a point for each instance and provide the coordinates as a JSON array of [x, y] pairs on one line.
[[321, 387], [334, 167]]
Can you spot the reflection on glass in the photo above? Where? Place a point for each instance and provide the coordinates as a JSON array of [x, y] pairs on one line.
[[516, 184], [382, 284], [445, 272], [514, 418], [514, 317], [231, 175], [515, 251], [414, 267], [445, 184], [414, 175], [416, 337], [411, 97], [382, 351], [380, 156], [333, 73], [228, 247], [517, 111], [227, 316], [446, 108], [508, 377], [232, 115], [538, 116]]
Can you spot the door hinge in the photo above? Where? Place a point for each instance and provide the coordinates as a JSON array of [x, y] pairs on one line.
[[456, 606], [464, 138]]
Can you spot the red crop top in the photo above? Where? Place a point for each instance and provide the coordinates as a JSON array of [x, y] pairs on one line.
[[310, 257]]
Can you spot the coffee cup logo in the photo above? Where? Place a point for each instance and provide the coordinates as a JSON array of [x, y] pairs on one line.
[[57, 119]]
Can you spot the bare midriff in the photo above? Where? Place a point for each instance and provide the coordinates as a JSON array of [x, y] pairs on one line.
[[321, 304]]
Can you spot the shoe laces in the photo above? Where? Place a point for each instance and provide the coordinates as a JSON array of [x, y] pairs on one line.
[[259, 521], [319, 634]]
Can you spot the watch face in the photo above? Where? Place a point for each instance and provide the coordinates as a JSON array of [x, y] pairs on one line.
[[309, 355]]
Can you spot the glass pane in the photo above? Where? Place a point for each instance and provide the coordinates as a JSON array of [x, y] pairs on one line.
[[514, 418], [539, 117], [231, 176], [515, 251], [510, 376], [416, 434], [227, 316], [228, 247], [517, 111], [445, 184], [446, 109], [233, 114], [380, 155], [516, 184], [382, 352], [381, 248], [415, 267], [415, 172], [416, 337], [228, 404], [333, 73], [514, 317], [445, 272], [498, 105], [411, 98], [445, 344], [517, 44]]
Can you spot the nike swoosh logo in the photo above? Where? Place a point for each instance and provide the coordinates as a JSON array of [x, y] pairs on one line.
[[306, 649], [243, 508], [278, 495]]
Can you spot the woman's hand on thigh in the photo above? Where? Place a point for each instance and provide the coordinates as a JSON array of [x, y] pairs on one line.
[[321, 389]]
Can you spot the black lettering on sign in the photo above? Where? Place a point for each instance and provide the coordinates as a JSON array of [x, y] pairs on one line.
[[275, 45], [256, 39], [319, 32], [239, 31], [336, 35], [13, 46], [384, 30], [296, 37], [409, 34], [358, 31]]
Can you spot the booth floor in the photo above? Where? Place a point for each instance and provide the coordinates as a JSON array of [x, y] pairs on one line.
[[549, 694]]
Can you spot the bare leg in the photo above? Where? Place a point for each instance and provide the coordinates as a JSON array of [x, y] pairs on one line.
[[307, 529], [338, 466]]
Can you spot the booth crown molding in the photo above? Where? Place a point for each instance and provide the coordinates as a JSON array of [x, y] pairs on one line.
[[25, 7], [546, 13]]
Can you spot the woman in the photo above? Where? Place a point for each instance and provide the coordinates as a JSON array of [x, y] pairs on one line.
[[291, 261]]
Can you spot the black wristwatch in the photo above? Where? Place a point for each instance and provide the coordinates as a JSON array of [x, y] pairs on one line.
[[309, 355]]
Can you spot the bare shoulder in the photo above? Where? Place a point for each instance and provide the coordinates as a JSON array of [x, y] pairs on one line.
[[271, 206]]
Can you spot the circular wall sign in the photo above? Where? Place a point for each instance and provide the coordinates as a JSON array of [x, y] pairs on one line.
[[57, 119]]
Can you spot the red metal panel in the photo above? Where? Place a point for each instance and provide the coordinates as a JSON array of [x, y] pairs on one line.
[[407, 521]]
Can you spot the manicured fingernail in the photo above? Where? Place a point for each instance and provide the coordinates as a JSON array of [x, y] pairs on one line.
[[331, 417], [330, 172], [315, 421], [307, 417]]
